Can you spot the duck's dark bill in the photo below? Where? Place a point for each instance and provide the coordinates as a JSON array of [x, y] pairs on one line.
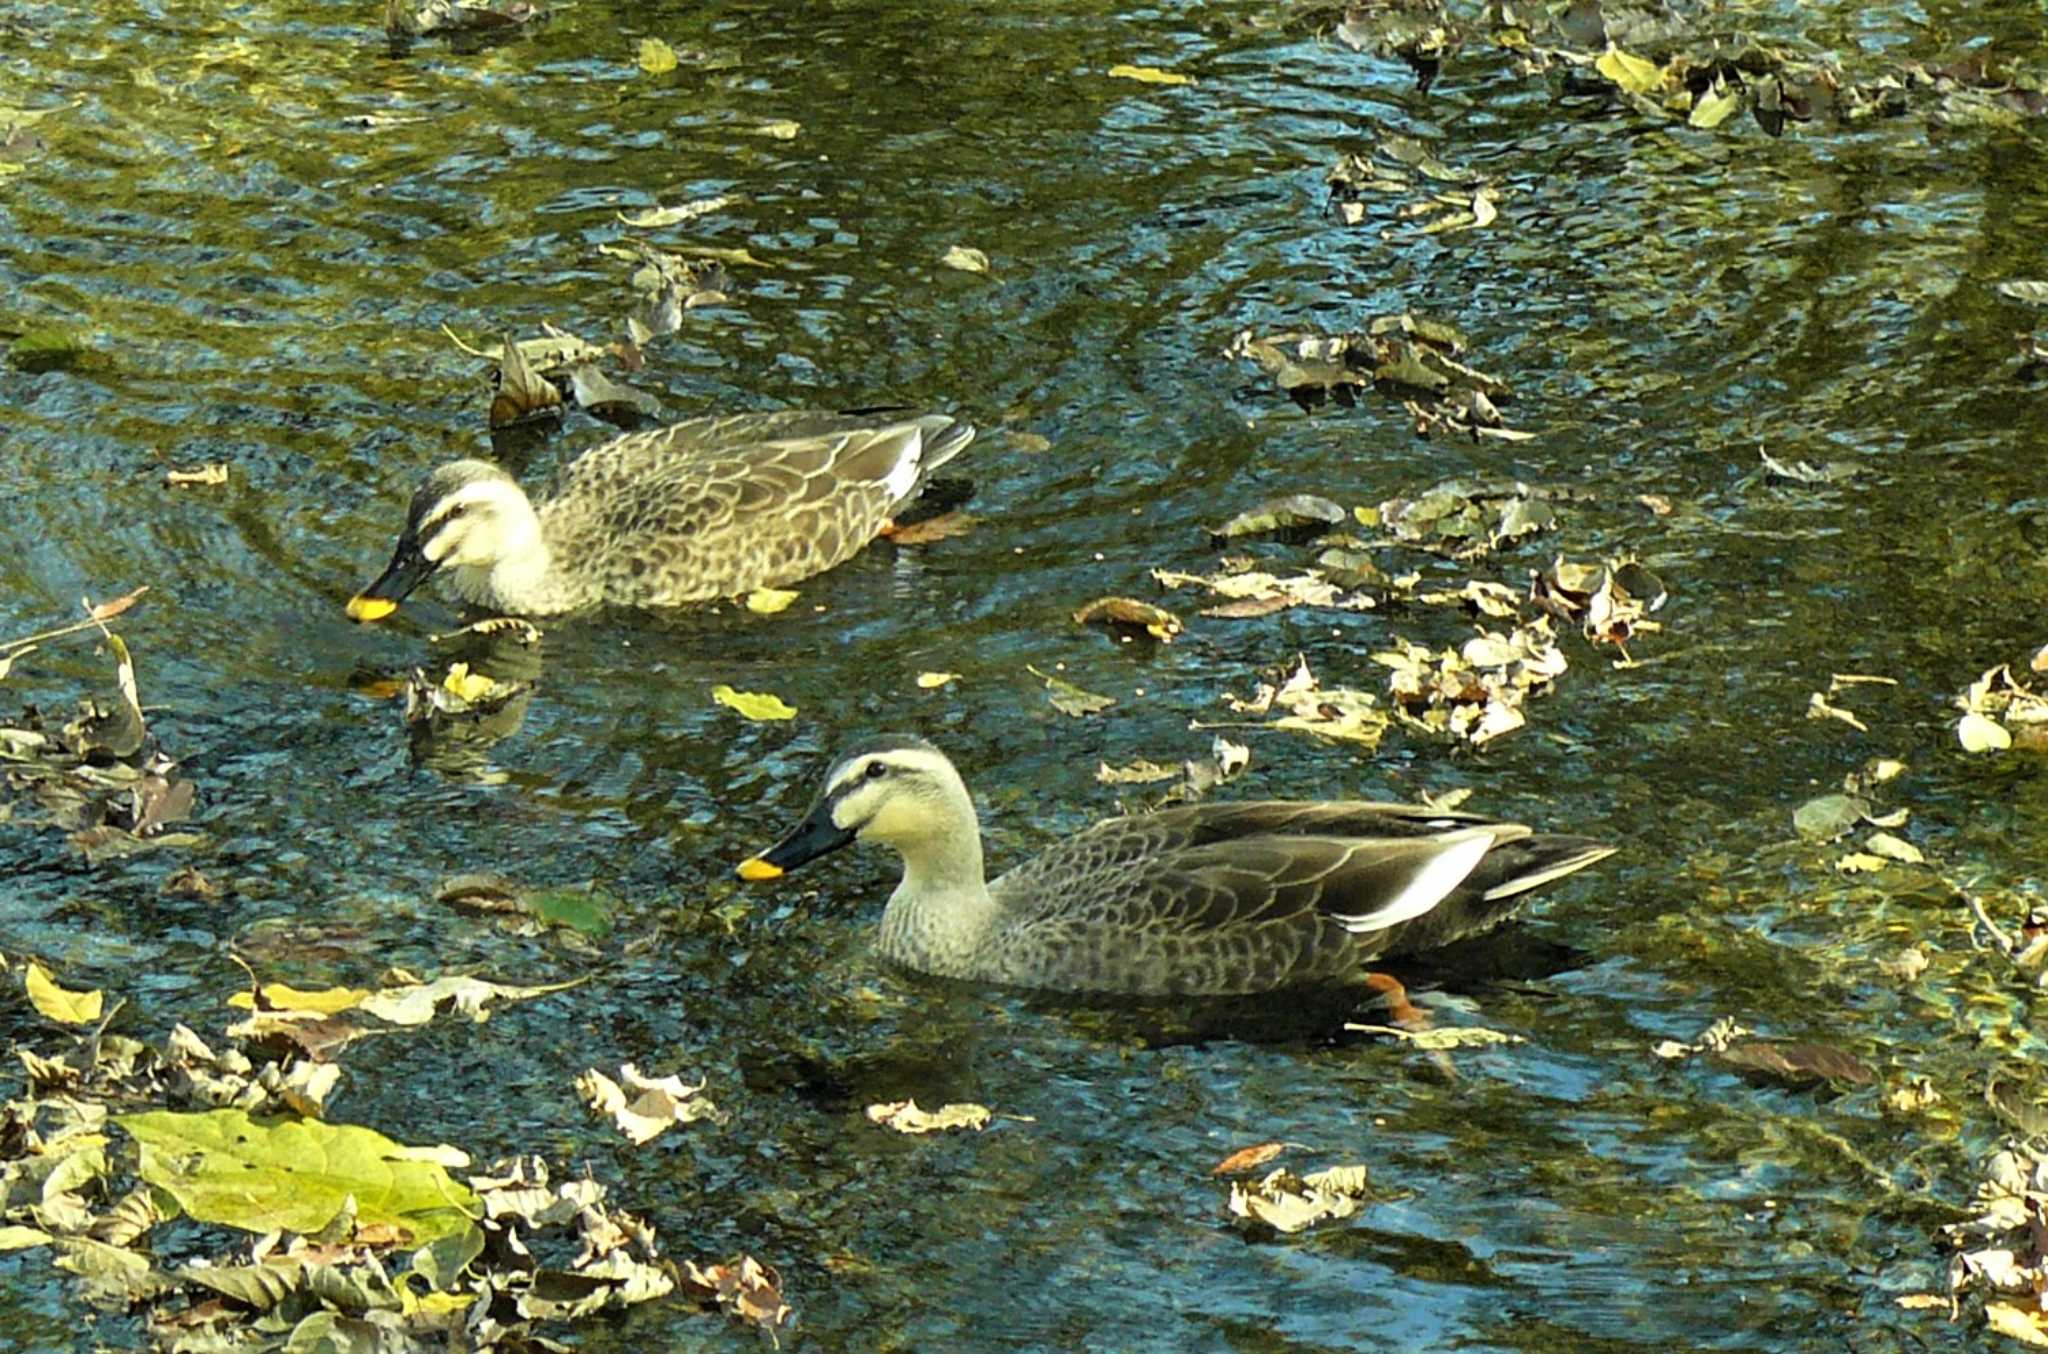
[[815, 836], [408, 569]]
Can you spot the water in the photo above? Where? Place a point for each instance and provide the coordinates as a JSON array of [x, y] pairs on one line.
[[261, 217]]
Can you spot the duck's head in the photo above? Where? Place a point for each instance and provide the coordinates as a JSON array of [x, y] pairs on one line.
[[466, 513], [898, 790]]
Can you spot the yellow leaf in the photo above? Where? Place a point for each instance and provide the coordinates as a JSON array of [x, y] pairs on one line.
[[470, 686], [1713, 108], [1980, 733], [782, 129], [1632, 73], [320, 1001], [2015, 1321], [753, 704], [768, 601], [932, 681], [67, 1008], [1150, 75], [656, 56]]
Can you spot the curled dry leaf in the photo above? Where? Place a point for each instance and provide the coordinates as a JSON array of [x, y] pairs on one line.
[[1155, 621], [744, 1288], [1287, 1202], [644, 1107], [213, 472]]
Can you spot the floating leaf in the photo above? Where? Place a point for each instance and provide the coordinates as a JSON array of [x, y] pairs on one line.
[[213, 472], [1248, 1158], [965, 259], [768, 601], [223, 1166], [932, 681], [1714, 107], [656, 1104], [1150, 75], [656, 56], [781, 129], [1303, 515], [1442, 1037], [320, 1001], [58, 1004], [1980, 733], [1287, 1202], [2031, 293], [753, 704], [654, 218], [905, 1117], [1155, 621], [1632, 73]]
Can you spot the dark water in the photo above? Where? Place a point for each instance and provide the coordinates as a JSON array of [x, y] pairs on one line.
[[261, 275]]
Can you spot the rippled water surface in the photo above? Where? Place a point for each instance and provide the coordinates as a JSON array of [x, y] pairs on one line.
[[259, 217]]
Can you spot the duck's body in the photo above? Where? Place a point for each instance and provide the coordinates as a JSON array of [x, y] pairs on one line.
[[1207, 899], [708, 508]]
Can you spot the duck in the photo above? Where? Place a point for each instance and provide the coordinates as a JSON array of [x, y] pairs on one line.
[[713, 507], [1212, 899]]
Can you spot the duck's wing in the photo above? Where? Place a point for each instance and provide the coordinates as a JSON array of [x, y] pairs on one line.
[[718, 506]]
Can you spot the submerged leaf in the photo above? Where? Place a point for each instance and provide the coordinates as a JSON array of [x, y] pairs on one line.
[[1069, 699], [1150, 75]]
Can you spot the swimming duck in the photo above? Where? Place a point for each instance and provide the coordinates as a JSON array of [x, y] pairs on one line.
[[1213, 899], [709, 508]]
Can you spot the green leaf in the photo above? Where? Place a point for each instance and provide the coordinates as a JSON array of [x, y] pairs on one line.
[[223, 1166], [753, 704]]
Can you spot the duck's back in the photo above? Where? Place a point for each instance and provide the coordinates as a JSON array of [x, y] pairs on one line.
[[719, 506], [1225, 898]]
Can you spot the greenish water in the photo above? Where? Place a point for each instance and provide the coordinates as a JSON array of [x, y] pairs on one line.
[[259, 218]]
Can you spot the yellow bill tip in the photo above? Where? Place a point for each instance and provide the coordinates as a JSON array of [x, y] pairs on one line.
[[757, 869], [370, 608]]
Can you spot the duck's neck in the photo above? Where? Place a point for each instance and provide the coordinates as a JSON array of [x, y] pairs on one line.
[[941, 913], [523, 581]]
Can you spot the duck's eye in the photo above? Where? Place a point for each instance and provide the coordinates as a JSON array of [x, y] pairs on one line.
[[876, 770]]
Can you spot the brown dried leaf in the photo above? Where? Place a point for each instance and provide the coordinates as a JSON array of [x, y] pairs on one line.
[[1248, 1158]]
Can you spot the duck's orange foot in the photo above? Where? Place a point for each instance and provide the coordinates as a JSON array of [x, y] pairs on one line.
[[1400, 1010]]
